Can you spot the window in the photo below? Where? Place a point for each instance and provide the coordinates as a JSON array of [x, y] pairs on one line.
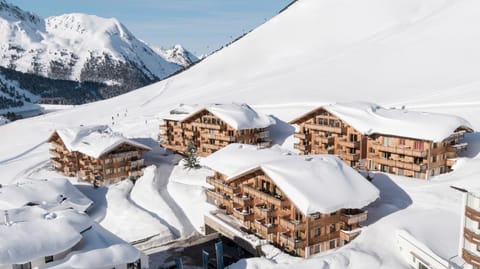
[[316, 231], [384, 168], [332, 244], [332, 228], [27, 265], [353, 137], [48, 259], [401, 172], [134, 265], [316, 248], [387, 141], [418, 145], [401, 141]]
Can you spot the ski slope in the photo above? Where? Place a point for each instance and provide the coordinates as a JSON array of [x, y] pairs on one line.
[[422, 54]]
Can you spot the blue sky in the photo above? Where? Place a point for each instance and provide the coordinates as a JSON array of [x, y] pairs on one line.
[[199, 25]]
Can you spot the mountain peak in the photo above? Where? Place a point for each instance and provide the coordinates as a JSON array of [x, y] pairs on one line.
[[11, 12]]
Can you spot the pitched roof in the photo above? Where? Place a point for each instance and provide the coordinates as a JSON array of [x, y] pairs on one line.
[[369, 118], [315, 184], [237, 116], [94, 141]]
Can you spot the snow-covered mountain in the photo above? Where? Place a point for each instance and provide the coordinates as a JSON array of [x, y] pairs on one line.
[[419, 53], [80, 47], [178, 55]]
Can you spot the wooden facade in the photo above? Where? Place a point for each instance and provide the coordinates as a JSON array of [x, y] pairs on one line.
[[208, 133], [470, 251], [321, 132], [123, 162], [265, 210]]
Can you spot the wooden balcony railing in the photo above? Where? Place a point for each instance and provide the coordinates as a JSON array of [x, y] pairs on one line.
[[55, 153], [217, 183], [349, 144], [290, 242], [470, 258], [400, 150], [243, 215], [291, 225], [263, 228], [266, 197], [243, 200], [299, 135], [326, 128], [325, 140], [220, 198], [354, 217]]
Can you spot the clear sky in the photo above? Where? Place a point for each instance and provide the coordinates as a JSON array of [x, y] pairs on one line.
[[199, 25]]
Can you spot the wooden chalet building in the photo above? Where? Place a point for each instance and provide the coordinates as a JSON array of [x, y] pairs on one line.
[[302, 204], [397, 141], [470, 230], [212, 127], [96, 154]]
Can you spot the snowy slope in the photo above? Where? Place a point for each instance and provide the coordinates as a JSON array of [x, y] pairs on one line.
[[418, 53]]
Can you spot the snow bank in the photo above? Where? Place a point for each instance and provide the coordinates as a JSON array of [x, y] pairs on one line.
[[48, 194], [128, 221], [94, 141], [3, 120]]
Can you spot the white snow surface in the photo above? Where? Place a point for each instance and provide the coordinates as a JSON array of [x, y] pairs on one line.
[[48, 194], [237, 116], [177, 54], [369, 118], [34, 232], [419, 53], [100, 249], [94, 141]]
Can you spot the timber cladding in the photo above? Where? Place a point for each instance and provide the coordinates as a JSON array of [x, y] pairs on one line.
[[208, 133], [321, 132]]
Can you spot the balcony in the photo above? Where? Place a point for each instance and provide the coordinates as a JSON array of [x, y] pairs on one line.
[[58, 146], [400, 150], [55, 153], [325, 140], [56, 162], [354, 216], [451, 162], [300, 147], [263, 228], [349, 144], [243, 200], [206, 125], [242, 215], [219, 198], [300, 135], [135, 173], [262, 211], [292, 225], [290, 242], [349, 156], [222, 186], [264, 144], [470, 258], [326, 128], [265, 197], [220, 137], [263, 134], [349, 235], [419, 167], [137, 163]]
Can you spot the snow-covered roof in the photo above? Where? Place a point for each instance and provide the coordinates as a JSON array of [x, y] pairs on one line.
[[315, 184], [29, 233], [94, 141], [48, 194], [370, 118], [101, 249], [236, 158], [237, 116]]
